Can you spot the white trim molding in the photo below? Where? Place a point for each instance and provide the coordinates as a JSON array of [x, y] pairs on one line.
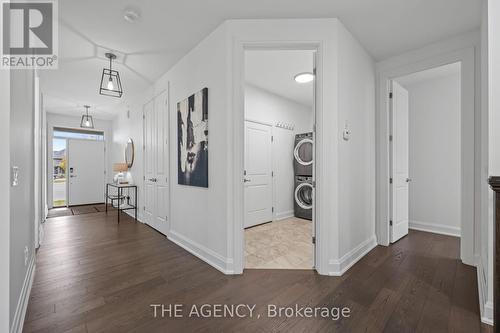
[[435, 228], [485, 305], [283, 215], [207, 255], [340, 266], [461, 49], [22, 304]]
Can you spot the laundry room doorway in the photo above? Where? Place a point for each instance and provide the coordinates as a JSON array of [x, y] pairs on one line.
[[279, 98]]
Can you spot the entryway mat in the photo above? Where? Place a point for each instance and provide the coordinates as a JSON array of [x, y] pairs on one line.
[[78, 210], [56, 212]]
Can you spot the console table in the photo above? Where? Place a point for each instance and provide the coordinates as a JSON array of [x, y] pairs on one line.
[[495, 186], [119, 197]]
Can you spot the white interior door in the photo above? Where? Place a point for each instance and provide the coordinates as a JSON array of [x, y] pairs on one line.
[[149, 164], [86, 171], [156, 163], [399, 162], [162, 158], [258, 174]]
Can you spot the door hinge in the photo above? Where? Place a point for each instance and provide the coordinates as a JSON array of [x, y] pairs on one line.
[[390, 137], [390, 223], [244, 172], [143, 207], [314, 239], [314, 127], [143, 177], [272, 209], [272, 138], [390, 180], [143, 116], [272, 173], [390, 95], [313, 184]]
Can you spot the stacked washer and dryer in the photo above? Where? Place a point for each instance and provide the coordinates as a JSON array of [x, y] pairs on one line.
[[303, 170]]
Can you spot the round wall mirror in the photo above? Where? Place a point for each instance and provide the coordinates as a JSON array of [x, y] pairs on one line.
[[129, 153]]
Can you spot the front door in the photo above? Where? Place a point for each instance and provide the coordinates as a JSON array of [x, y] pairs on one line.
[[258, 174], [86, 171], [399, 162]]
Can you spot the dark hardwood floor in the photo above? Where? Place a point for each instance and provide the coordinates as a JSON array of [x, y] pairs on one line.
[[93, 275]]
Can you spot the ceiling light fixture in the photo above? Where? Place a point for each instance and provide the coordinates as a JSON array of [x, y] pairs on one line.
[[87, 121], [111, 84], [131, 15], [304, 77]]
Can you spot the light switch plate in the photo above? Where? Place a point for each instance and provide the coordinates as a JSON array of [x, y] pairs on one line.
[[15, 176]]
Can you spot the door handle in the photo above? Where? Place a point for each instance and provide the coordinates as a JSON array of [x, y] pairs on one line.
[[72, 176], [152, 180], [246, 180], [408, 180]]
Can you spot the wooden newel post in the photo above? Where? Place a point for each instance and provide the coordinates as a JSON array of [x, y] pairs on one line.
[[495, 186]]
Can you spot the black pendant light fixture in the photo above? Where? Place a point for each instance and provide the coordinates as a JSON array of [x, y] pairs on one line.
[[87, 121], [110, 80]]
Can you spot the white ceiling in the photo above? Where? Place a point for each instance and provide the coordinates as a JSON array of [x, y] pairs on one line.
[[169, 29], [274, 71], [430, 74]]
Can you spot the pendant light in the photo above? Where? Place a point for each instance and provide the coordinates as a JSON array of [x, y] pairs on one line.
[[110, 80], [87, 121]]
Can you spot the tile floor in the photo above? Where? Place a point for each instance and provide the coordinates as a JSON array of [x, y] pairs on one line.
[[284, 244]]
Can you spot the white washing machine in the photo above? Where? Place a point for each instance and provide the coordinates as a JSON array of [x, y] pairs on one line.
[[303, 154]]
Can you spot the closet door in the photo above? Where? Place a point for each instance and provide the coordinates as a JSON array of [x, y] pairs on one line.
[[156, 167], [162, 170], [149, 164]]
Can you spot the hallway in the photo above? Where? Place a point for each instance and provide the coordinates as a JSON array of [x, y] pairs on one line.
[[93, 275]]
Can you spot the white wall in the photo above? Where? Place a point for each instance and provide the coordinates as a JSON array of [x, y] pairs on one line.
[[357, 156], [434, 133], [128, 124], [491, 103], [207, 221], [58, 120], [5, 202], [494, 85], [198, 216], [21, 196], [264, 106]]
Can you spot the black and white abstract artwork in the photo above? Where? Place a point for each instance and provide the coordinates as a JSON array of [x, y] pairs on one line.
[[192, 139]]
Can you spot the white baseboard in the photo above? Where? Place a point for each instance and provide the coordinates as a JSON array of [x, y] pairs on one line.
[[485, 305], [207, 255], [283, 215], [132, 215], [435, 228], [22, 304], [340, 266]]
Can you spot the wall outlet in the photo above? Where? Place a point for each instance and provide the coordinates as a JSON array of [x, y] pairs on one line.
[[26, 255]]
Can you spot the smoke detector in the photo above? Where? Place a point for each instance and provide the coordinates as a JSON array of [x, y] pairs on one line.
[[131, 15]]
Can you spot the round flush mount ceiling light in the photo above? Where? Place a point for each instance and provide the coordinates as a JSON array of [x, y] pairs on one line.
[[304, 77], [131, 15]]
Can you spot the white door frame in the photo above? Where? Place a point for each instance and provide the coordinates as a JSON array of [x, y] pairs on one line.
[[466, 57], [237, 201]]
